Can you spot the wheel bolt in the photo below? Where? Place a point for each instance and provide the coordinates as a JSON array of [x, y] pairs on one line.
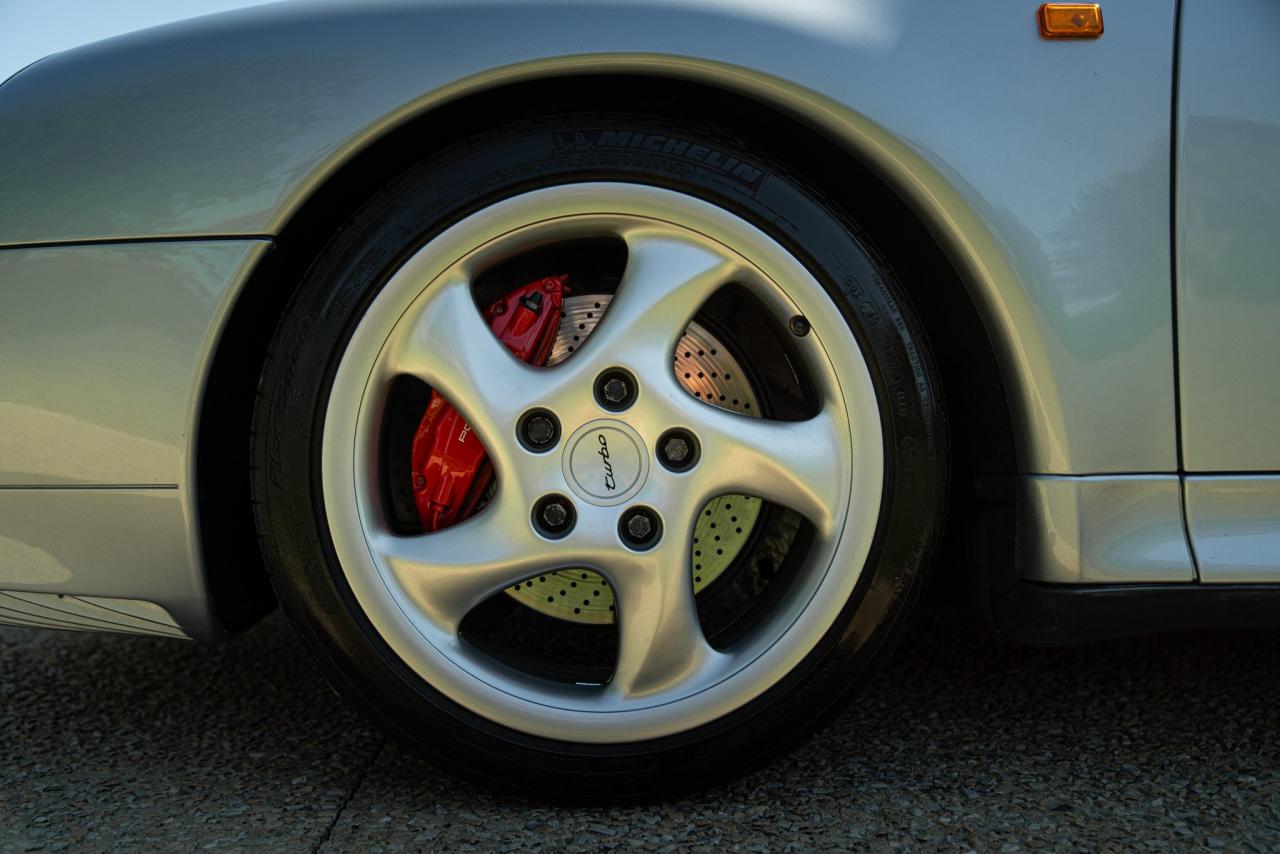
[[615, 389], [799, 325], [553, 516], [678, 450], [539, 430], [640, 528]]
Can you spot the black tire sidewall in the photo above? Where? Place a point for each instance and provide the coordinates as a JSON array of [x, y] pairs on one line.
[[467, 177]]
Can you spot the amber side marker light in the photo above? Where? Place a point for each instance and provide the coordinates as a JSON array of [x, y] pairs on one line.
[[1070, 20]]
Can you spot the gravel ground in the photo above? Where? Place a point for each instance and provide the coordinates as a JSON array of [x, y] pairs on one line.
[[963, 742]]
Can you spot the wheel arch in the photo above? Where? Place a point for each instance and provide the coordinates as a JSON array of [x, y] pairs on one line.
[[944, 255]]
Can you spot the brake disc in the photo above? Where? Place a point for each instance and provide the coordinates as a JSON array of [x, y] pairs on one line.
[[707, 371]]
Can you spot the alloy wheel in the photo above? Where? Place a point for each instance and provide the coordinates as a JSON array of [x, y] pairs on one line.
[[636, 532]]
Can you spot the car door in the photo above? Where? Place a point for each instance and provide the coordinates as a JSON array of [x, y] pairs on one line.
[[1227, 232]]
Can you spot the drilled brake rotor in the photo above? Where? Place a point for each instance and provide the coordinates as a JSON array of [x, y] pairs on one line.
[[707, 371]]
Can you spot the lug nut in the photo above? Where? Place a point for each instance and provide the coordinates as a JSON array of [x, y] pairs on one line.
[[677, 450], [539, 430], [553, 516], [615, 389], [640, 528]]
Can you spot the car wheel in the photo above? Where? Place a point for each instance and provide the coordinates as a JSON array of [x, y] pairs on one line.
[[735, 488]]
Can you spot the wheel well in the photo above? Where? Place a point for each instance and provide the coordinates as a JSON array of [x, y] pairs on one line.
[[979, 418]]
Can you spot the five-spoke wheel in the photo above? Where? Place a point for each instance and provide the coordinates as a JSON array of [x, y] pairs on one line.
[[694, 505]]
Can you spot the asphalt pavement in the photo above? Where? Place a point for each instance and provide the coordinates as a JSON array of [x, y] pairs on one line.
[[963, 742]]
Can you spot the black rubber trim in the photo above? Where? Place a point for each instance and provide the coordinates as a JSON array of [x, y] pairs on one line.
[[1061, 614]]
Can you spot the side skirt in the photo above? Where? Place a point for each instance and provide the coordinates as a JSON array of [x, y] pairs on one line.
[[1060, 614]]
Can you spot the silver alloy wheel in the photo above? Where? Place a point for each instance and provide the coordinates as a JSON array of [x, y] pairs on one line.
[[415, 590]]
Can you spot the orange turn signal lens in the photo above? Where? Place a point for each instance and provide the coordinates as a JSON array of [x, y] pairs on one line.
[[1070, 20]]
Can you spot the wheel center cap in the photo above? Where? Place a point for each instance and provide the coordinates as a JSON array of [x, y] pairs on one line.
[[605, 462]]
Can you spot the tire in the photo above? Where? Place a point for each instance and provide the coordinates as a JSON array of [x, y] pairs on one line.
[[866, 314]]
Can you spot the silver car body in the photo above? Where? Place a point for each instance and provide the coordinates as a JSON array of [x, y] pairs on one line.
[[1109, 205]]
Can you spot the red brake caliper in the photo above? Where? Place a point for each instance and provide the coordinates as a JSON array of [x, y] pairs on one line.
[[451, 471]]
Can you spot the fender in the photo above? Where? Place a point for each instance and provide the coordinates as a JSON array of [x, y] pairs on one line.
[[1042, 168]]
